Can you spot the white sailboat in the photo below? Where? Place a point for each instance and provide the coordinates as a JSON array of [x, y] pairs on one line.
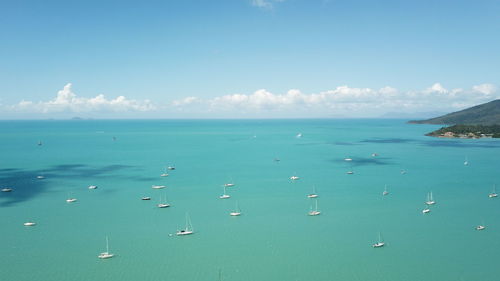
[[493, 194], [348, 159], [481, 226], [71, 199], [157, 186], [29, 223], [188, 229], [165, 174], [236, 212], [294, 178], [385, 191], [40, 177], [350, 172], [426, 210], [430, 199], [171, 168], [466, 162], [229, 184], [224, 196], [380, 242], [107, 254], [315, 211], [313, 194], [6, 189], [299, 135], [163, 203], [92, 186]]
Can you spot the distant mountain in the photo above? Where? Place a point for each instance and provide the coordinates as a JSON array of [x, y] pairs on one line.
[[483, 114]]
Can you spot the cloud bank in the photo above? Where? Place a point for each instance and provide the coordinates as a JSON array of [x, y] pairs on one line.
[[342, 101], [67, 101]]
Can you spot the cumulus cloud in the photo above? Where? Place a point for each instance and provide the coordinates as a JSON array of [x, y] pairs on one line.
[[67, 101], [345, 101]]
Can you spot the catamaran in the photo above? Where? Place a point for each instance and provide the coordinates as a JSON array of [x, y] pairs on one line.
[[380, 242], [188, 229], [224, 196], [315, 211], [107, 254]]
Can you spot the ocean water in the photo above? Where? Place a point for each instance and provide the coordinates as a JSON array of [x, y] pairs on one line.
[[274, 239]]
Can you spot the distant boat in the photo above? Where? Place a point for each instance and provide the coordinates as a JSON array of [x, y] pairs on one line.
[[146, 198], [92, 186], [107, 254], [385, 191], [380, 242], [40, 177], [29, 223], [348, 159], [481, 227], [315, 211], [71, 199], [39, 143], [350, 172], [294, 178], [157, 186], [313, 194], [466, 162], [276, 160], [224, 196], [430, 199], [426, 210], [493, 194], [6, 189], [229, 184], [236, 212], [171, 168], [403, 172], [188, 229], [163, 203], [374, 154], [299, 135]]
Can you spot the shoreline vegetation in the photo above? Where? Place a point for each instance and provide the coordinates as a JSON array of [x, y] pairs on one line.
[[467, 132]]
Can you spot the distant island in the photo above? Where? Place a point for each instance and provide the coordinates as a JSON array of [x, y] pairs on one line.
[[480, 121]]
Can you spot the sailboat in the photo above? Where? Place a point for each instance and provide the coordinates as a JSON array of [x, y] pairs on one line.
[[39, 143], [157, 186], [188, 229], [314, 212], [71, 199], [224, 196], [171, 168], [40, 177], [107, 254], [348, 159], [294, 178], [350, 172], [380, 242], [493, 194], [466, 162], [92, 186], [29, 223], [426, 210], [299, 135], [430, 199], [236, 212], [163, 203], [6, 189], [229, 184], [165, 174], [313, 194], [385, 191]]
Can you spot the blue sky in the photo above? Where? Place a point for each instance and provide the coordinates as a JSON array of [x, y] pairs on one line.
[[246, 58]]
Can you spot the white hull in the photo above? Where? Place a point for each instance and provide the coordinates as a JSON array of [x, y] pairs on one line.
[[164, 175], [234, 214], [40, 177], [294, 178], [430, 202], [93, 187], [105, 255], [71, 200], [163, 205], [492, 195], [157, 186], [184, 232], [378, 245], [229, 184], [385, 193], [312, 196], [425, 211], [350, 172], [146, 198], [480, 227], [314, 213], [29, 224], [225, 196], [6, 189]]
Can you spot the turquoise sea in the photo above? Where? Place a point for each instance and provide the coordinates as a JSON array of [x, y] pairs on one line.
[[274, 239]]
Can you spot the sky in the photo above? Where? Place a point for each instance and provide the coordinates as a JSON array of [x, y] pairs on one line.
[[247, 58]]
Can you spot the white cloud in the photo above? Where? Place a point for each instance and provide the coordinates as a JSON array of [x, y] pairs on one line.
[[67, 101], [343, 101], [266, 4]]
